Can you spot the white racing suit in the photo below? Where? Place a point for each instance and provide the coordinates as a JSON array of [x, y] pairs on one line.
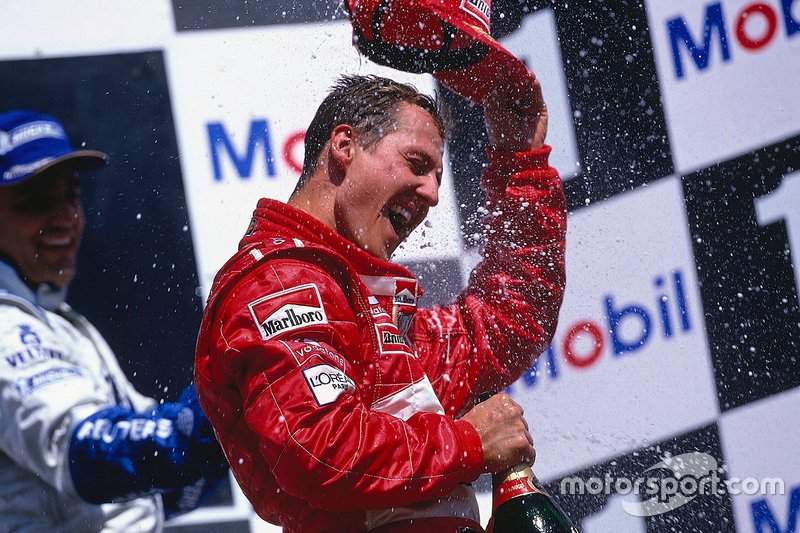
[[73, 429]]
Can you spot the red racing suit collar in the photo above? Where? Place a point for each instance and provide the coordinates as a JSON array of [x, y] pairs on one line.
[[275, 220]]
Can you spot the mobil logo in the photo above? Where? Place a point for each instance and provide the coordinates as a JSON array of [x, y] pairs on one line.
[[765, 519], [260, 145], [622, 329], [754, 27]]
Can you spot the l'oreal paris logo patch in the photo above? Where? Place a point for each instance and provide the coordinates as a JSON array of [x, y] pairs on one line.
[[288, 310], [328, 383]]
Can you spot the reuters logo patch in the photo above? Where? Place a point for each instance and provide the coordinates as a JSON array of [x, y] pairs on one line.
[[288, 310]]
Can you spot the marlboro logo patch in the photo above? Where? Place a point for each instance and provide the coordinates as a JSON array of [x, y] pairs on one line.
[[481, 10], [288, 310], [405, 293]]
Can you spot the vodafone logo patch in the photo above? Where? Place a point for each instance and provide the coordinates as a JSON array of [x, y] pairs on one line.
[[288, 310]]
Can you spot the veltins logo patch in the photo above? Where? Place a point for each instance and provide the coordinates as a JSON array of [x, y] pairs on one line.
[[328, 383], [288, 310]]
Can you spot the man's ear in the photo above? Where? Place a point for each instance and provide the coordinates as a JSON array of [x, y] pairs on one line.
[[342, 145]]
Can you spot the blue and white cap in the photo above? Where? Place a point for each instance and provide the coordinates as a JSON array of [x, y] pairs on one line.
[[31, 143]]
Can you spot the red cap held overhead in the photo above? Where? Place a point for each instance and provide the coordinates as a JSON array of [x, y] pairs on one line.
[[448, 38]]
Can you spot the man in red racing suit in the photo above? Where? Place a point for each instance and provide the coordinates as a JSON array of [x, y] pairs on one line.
[[340, 405]]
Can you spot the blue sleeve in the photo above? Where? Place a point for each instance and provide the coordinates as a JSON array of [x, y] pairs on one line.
[[118, 454], [188, 498]]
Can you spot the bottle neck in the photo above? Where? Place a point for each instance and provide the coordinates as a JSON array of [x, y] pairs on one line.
[[512, 483]]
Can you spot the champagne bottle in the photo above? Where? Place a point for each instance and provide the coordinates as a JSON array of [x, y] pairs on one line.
[[521, 505]]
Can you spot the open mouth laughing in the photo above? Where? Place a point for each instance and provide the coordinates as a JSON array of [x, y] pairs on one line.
[[400, 218]]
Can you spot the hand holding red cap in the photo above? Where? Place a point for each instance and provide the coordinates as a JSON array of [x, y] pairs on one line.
[[516, 117]]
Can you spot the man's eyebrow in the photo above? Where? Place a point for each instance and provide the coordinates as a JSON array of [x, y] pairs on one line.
[[428, 160]]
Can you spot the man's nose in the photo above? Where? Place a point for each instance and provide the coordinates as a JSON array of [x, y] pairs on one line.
[[66, 211], [429, 190]]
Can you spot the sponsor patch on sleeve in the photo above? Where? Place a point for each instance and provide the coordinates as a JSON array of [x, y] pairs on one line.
[[390, 340], [328, 383], [27, 385], [288, 310], [305, 348], [405, 294], [32, 349]]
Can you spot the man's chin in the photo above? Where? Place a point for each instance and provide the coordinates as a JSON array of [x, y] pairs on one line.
[[380, 254], [59, 277], [381, 251], [389, 248], [386, 253]]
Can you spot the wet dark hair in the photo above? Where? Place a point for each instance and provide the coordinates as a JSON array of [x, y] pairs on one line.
[[369, 104]]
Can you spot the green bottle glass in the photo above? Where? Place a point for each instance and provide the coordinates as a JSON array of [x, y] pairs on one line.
[[521, 505]]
